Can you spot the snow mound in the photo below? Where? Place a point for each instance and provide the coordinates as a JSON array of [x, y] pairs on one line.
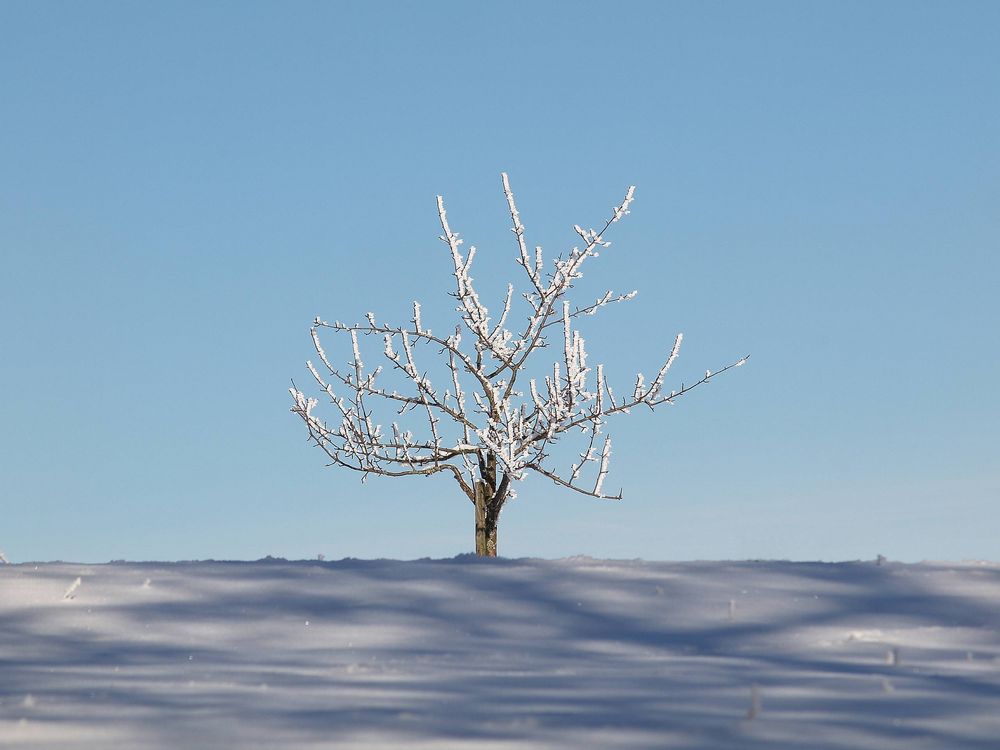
[[576, 653]]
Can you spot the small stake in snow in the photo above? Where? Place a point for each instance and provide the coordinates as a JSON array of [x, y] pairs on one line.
[[489, 420], [756, 702], [732, 610]]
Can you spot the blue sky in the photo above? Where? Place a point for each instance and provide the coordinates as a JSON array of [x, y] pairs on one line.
[[184, 186]]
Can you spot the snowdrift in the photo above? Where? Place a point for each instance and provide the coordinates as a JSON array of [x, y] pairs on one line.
[[464, 653]]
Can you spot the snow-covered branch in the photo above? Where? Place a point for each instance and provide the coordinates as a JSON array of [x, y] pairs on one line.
[[478, 423]]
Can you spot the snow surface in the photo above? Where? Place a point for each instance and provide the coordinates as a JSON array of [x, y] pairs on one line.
[[462, 653]]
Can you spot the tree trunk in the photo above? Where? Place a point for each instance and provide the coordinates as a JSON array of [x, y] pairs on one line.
[[487, 516]]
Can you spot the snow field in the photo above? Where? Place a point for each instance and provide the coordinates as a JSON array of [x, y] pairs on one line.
[[576, 653]]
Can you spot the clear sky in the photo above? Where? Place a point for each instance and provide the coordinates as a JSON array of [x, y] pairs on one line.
[[184, 186]]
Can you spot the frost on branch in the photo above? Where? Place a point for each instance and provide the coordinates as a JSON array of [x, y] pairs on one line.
[[473, 410]]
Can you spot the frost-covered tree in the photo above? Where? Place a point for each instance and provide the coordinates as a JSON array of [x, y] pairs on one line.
[[488, 421]]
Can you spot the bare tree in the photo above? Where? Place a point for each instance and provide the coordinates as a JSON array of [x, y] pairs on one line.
[[485, 428]]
